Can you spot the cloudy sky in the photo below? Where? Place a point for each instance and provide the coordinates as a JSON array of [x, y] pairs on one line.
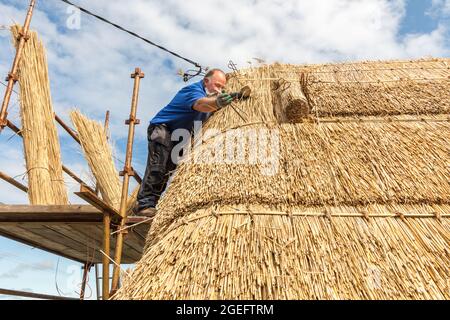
[[90, 64]]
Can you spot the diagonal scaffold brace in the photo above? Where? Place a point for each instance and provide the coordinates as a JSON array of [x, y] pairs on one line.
[[18, 131], [12, 75], [126, 173]]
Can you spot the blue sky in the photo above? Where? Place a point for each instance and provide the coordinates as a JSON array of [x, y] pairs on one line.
[[418, 18], [90, 68]]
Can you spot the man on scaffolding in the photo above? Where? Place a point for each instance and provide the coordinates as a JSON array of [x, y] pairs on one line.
[[193, 103]]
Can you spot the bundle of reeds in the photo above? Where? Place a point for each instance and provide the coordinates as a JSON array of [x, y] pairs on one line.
[[356, 206], [98, 154], [290, 103], [40, 136], [132, 198]]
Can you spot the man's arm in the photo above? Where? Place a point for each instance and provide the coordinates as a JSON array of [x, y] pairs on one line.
[[206, 104], [213, 104]]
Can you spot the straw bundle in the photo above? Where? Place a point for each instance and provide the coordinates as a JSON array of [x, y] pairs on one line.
[[356, 208], [132, 198], [98, 154], [40, 136], [289, 101]]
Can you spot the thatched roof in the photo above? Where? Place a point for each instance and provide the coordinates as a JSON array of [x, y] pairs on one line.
[[357, 206]]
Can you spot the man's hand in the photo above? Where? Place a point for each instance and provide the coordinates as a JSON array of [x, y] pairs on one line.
[[224, 99]]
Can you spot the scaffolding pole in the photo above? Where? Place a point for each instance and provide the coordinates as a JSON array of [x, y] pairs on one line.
[[12, 75], [32, 295], [13, 182], [107, 250], [86, 268], [126, 173], [106, 235], [72, 133], [65, 169], [97, 285]]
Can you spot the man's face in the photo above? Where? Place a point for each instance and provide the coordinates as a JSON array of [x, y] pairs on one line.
[[215, 83]]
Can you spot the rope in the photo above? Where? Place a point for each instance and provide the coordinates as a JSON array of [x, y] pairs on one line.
[[290, 214], [120, 268], [22, 175], [186, 75], [368, 70], [326, 214], [56, 280], [389, 62], [340, 82]]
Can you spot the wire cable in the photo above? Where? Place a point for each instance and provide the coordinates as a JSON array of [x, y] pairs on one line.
[[5, 85], [187, 76], [56, 280]]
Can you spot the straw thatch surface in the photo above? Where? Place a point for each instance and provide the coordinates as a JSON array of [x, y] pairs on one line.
[[418, 87], [357, 208], [40, 136], [303, 257]]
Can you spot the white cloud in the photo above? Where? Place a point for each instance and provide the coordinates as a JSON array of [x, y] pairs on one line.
[[426, 44], [90, 68], [12, 163], [44, 265], [440, 7]]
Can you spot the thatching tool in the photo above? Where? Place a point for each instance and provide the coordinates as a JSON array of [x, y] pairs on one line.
[[243, 94]]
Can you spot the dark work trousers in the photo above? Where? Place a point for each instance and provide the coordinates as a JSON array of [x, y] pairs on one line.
[[159, 166]]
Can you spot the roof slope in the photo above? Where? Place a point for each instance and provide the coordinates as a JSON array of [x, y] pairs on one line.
[[349, 202]]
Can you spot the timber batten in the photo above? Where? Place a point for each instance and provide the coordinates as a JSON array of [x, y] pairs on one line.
[[70, 231]]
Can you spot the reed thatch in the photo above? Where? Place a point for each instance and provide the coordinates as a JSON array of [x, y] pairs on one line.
[[349, 202], [98, 153], [40, 136]]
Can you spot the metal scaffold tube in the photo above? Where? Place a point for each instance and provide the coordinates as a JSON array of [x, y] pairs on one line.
[[12, 75], [126, 173]]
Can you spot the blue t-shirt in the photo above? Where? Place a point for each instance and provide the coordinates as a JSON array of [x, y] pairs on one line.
[[178, 114]]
